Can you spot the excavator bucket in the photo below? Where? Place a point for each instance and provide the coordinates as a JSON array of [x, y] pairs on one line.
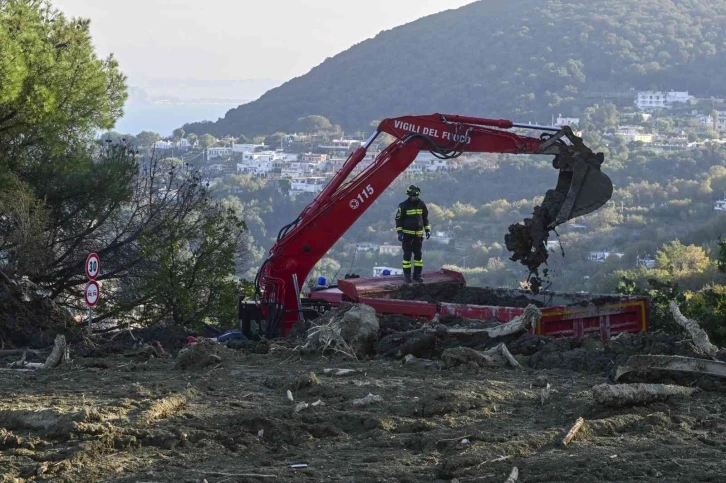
[[580, 190]]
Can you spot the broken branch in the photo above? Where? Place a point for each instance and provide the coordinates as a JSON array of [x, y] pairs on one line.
[[698, 335], [631, 394], [645, 363], [572, 432]]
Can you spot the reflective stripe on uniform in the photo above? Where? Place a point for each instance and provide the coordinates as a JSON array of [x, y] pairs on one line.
[[418, 263], [414, 212], [412, 232], [427, 227], [406, 264]]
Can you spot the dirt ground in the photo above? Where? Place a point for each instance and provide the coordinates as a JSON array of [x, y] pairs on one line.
[[223, 415]]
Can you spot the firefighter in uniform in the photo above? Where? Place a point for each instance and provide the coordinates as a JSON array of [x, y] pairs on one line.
[[412, 221]]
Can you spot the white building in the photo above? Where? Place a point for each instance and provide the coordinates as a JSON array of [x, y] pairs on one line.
[[387, 249], [366, 247], [163, 145], [211, 153], [441, 237], [720, 205], [633, 133], [717, 121], [566, 121], [311, 185], [262, 163], [602, 256], [342, 145], [644, 262], [650, 100], [247, 148], [553, 244]]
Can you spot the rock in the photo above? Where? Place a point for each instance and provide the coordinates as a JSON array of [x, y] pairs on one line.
[[593, 345], [306, 380], [467, 356], [540, 381], [359, 328], [416, 342]]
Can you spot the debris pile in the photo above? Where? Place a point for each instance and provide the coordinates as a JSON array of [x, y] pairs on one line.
[[199, 355], [433, 338], [352, 330], [28, 317], [451, 293]]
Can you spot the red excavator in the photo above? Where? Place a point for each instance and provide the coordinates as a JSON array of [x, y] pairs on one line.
[[581, 188]]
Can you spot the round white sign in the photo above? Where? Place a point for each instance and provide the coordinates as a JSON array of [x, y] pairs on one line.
[[93, 266], [92, 293]]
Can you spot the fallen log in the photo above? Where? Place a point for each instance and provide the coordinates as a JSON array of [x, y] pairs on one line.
[[521, 323], [633, 394], [676, 364], [572, 432], [340, 372], [464, 355], [495, 357], [501, 350], [698, 335], [58, 355]]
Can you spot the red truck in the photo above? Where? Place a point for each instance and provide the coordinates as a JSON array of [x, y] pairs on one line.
[[563, 314]]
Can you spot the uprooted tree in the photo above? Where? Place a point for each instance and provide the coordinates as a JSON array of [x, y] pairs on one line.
[[168, 250]]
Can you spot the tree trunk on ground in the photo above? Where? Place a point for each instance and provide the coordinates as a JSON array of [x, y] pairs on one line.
[[698, 335], [631, 394]]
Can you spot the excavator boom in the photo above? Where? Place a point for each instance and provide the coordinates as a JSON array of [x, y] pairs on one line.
[[581, 189]]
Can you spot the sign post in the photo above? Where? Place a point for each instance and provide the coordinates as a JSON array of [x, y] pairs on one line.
[[92, 292]]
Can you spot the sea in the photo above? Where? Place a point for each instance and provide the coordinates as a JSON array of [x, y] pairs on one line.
[[164, 118]]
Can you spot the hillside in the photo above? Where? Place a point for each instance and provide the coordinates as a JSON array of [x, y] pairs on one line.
[[525, 59]]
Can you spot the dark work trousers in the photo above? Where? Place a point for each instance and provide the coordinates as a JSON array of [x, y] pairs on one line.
[[412, 246]]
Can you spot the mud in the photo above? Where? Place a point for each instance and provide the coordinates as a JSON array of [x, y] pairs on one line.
[[527, 240], [463, 295], [594, 356], [119, 420]]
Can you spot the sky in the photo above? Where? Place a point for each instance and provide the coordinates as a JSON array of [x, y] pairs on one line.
[[237, 39]]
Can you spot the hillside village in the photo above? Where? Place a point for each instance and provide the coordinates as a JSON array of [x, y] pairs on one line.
[[308, 160], [658, 121]]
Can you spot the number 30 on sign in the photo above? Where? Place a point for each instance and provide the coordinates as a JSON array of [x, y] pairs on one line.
[[93, 266]]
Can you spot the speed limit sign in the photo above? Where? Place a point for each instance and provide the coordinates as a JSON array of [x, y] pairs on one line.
[[93, 266], [92, 293]]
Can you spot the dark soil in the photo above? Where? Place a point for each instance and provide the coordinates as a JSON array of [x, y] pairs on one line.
[[124, 421], [390, 324], [594, 356], [443, 292], [527, 240]]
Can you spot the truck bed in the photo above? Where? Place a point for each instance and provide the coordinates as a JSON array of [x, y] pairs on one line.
[[563, 314]]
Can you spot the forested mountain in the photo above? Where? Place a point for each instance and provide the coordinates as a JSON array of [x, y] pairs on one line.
[[524, 59]]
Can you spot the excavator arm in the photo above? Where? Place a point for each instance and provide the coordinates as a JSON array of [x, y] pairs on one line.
[[581, 189]]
